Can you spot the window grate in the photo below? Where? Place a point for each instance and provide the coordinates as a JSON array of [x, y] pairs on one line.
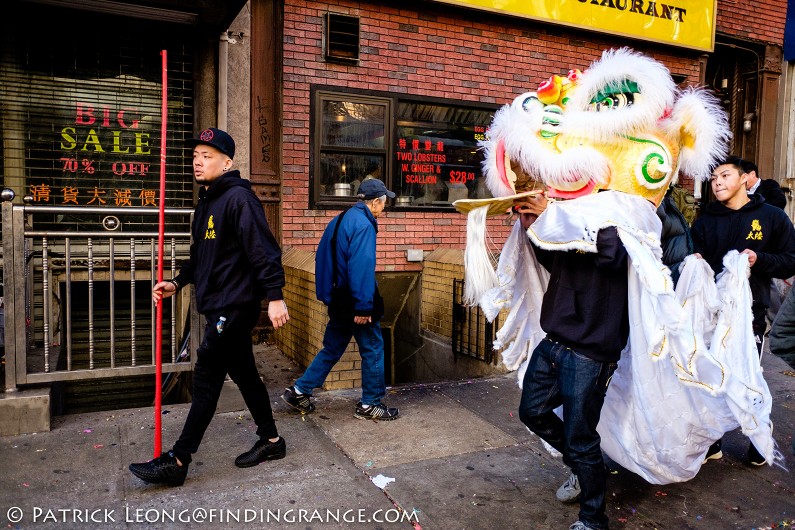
[[473, 335], [342, 38]]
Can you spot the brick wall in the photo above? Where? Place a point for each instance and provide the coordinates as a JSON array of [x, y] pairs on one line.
[[763, 21], [302, 337], [442, 266], [423, 49]]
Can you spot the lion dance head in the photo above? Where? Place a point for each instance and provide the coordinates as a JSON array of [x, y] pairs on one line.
[[622, 124]]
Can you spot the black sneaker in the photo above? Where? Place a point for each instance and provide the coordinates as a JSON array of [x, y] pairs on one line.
[[378, 412], [754, 457], [714, 452], [263, 450], [161, 470], [300, 402]]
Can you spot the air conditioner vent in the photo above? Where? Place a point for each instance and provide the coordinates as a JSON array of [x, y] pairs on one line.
[[342, 38]]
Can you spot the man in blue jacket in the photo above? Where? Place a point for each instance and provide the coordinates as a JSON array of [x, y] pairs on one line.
[[235, 263], [345, 282]]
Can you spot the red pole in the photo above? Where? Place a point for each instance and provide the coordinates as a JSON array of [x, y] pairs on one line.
[[160, 244]]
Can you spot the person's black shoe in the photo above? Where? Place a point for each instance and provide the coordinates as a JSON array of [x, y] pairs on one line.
[[161, 470], [263, 450], [300, 402], [714, 452], [754, 457], [378, 412]]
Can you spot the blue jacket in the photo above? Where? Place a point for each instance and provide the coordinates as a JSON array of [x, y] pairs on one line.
[[234, 258], [355, 259]]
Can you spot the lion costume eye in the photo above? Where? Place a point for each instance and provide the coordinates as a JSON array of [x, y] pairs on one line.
[[616, 96], [530, 102]]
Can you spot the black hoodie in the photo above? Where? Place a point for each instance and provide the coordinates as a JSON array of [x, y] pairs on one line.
[[757, 226], [234, 258]]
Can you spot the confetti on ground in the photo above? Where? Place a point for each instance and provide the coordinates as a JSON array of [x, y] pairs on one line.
[[98, 446], [87, 430], [660, 494]]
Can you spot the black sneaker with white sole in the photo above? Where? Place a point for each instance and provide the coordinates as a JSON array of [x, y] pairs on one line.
[[378, 412], [714, 452], [300, 402], [754, 457]]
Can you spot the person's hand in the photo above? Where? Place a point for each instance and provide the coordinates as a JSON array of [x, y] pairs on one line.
[[696, 254], [277, 312], [362, 319], [529, 208], [163, 290], [751, 256]]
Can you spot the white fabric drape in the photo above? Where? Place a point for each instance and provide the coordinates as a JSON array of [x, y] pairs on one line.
[[690, 371]]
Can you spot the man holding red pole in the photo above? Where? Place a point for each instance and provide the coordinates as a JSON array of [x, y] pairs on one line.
[[235, 263]]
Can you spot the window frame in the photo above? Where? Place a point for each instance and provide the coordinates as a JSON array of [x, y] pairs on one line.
[[321, 93]]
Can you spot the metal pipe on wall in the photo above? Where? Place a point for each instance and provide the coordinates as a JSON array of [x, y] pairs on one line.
[[223, 70]]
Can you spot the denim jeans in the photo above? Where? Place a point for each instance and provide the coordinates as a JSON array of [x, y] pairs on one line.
[[229, 352], [556, 376], [336, 339]]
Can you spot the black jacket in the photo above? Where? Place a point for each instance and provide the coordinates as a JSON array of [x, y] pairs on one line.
[[757, 226], [772, 192], [782, 332], [234, 258], [585, 306], [675, 238]]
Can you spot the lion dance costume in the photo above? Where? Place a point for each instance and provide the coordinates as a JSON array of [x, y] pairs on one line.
[[689, 372]]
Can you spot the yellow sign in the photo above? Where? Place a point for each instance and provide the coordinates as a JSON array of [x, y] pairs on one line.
[[687, 23]]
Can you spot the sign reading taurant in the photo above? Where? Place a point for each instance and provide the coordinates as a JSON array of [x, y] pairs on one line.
[[687, 23]]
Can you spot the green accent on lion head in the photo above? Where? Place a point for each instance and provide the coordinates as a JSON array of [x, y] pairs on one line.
[[645, 168]]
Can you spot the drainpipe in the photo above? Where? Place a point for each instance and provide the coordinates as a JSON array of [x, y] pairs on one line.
[[223, 70]]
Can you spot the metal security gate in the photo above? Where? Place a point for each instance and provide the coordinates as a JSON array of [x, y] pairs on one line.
[[78, 303]]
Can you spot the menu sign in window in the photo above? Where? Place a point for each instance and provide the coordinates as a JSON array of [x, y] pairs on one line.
[[437, 156]]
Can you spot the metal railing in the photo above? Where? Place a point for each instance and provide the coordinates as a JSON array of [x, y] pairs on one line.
[[66, 318], [473, 335]]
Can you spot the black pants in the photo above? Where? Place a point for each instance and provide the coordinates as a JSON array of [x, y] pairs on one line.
[[759, 325], [229, 352]]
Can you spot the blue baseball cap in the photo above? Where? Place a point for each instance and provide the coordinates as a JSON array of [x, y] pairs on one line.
[[373, 188], [216, 138]]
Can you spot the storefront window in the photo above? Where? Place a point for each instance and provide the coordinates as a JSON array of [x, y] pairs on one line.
[[438, 160], [351, 145], [81, 116], [429, 157]]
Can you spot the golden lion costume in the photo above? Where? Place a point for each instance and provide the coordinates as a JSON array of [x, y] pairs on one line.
[[604, 145]]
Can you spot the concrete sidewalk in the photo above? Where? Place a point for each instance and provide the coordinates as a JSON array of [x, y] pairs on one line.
[[459, 458]]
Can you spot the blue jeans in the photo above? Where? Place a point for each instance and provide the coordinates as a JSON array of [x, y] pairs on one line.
[[556, 376], [335, 341]]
